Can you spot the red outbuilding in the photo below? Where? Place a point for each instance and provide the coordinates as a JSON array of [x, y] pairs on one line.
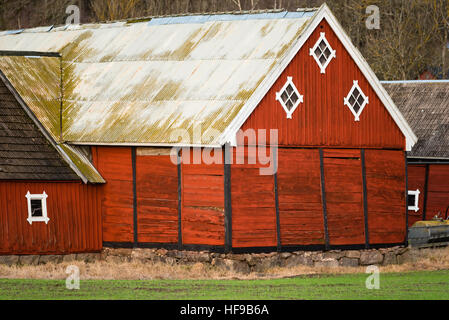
[[425, 105], [237, 132]]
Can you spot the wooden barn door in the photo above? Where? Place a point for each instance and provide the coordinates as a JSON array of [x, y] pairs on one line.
[[344, 196], [299, 193]]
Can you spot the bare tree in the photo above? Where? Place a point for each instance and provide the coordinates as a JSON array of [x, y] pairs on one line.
[[105, 10]]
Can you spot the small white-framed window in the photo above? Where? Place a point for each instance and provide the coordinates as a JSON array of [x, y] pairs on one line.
[[322, 52], [289, 97], [413, 200], [37, 207], [356, 100]]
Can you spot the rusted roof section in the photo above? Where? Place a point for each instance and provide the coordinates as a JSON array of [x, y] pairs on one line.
[[152, 82], [425, 105], [43, 98]]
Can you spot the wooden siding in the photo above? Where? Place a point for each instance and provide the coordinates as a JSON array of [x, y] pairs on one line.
[[385, 178], [157, 198], [323, 119], [438, 190], [253, 203], [115, 165], [202, 200], [73, 210], [300, 203], [344, 196], [416, 180]]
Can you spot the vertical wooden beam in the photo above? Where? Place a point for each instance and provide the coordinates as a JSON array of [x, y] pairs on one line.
[[426, 186], [323, 199], [179, 199], [133, 161], [406, 199], [365, 198], [276, 198], [227, 198]]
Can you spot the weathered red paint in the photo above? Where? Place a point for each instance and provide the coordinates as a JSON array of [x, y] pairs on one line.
[[416, 181], [72, 207], [385, 178], [437, 190], [300, 201], [323, 119], [202, 199], [115, 165], [157, 199]]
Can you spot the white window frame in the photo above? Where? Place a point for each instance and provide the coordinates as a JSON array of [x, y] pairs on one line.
[[328, 60], [43, 197], [365, 100], [416, 194], [295, 90]]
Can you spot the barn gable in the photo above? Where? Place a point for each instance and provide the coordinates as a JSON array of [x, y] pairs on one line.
[[186, 72], [322, 116]]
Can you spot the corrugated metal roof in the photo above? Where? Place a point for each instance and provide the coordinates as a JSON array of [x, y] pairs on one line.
[[142, 82], [43, 97]]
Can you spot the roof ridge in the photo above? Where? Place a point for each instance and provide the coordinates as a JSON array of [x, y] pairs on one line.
[[415, 81], [180, 15]]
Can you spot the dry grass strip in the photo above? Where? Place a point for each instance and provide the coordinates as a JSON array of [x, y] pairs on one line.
[[426, 259]]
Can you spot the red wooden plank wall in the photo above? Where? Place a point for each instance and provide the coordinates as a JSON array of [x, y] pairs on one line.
[[73, 210], [416, 180], [344, 196], [300, 203], [253, 204], [323, 119], [115, 165], [438, 190], [157, 199], [202, 210], [385, 178]]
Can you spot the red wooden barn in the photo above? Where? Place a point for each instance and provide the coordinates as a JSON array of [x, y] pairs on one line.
[[44, 205], [425, 105], [174, 113]]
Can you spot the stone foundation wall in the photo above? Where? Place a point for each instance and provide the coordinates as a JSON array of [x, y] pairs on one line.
[[245, 263]]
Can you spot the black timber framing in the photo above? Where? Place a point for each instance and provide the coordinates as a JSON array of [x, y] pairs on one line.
[[227, 198], [323, 199], [406, 199], [222, 249], [426, 186], [276, 199], [178, 154], [11, 53], [133, 161], [365, 198]]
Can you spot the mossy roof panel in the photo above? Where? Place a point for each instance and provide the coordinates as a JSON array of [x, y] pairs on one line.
[[150, 83]]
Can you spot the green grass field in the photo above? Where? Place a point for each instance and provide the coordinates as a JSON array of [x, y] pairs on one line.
[[410, 285]]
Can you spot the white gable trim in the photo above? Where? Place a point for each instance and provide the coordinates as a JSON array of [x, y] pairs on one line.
[[323, 13]]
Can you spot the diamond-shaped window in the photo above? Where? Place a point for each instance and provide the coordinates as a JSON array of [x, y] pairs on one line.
[[356, 100], [289, 97], [322, 52]]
